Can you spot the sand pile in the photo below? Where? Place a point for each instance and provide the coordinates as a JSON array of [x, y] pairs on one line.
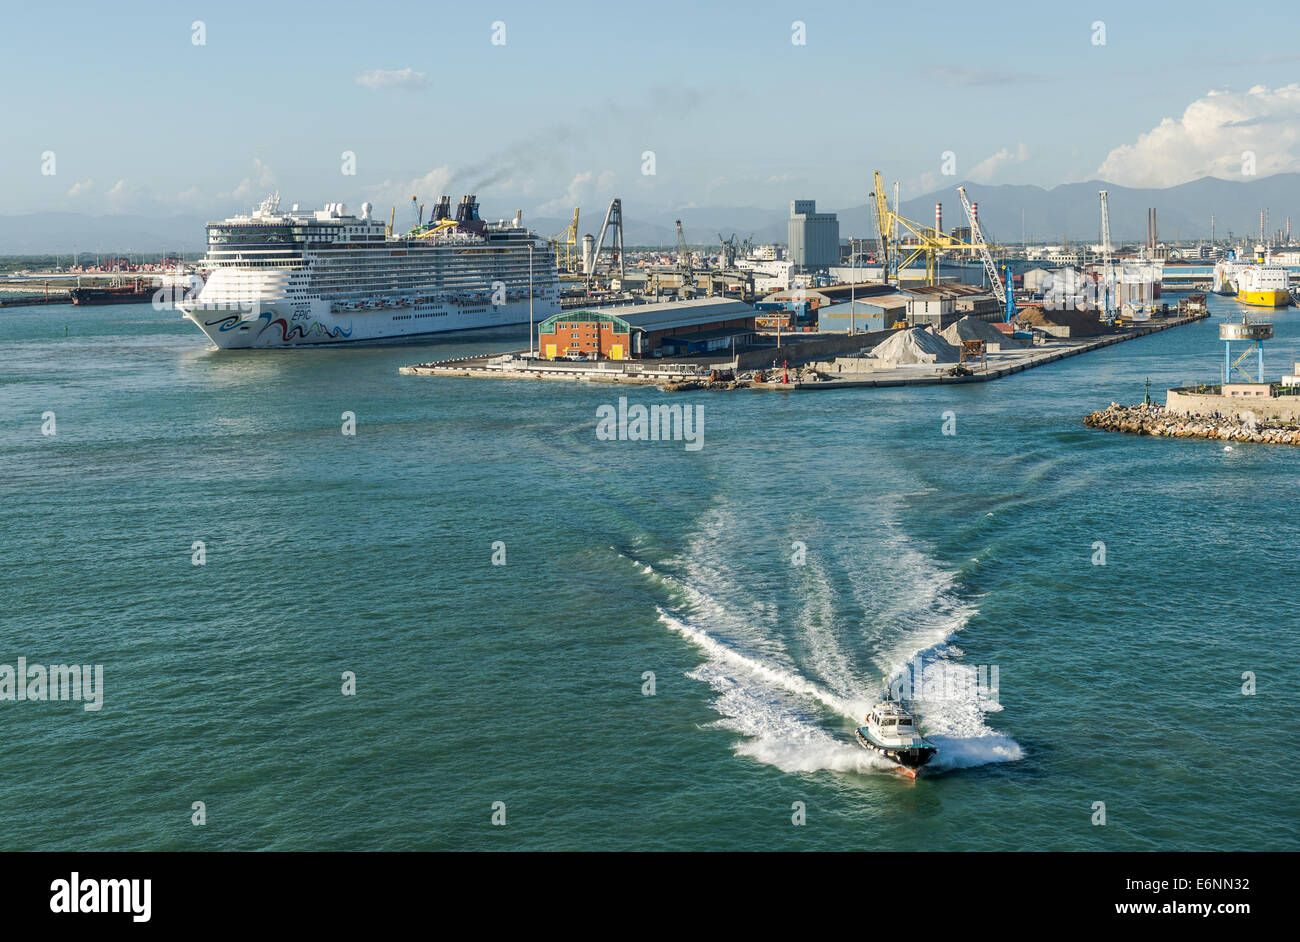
[[915, 345], [971, 328], [1081, 323]]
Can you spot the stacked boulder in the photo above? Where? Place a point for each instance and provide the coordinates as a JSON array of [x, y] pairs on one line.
[[1158, 421]]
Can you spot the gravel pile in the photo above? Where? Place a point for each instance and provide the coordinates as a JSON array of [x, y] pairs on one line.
[[916, 345]]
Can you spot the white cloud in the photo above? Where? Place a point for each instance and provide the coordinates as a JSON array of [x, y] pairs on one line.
[[986, 169], [585, 188], [428, 188], [262, 179], [577, 186], [1210, 138], [81, 187], [928, 182], [392, 78]]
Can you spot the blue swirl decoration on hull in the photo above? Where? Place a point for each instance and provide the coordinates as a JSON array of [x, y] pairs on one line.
[[228, 322], [292, 332]]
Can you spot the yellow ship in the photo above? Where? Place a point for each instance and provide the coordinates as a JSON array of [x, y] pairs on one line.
[[1264, 286]]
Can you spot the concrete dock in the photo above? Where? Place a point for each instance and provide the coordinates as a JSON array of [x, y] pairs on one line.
[[808, 374], [995, 366]]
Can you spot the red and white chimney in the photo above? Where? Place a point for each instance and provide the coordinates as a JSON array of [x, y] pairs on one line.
[[938, 218]]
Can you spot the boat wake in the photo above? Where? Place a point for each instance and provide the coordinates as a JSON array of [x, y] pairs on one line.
[[794, 685]]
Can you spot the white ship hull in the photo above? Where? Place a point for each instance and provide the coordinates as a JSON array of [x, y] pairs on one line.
[[317, 278], [264, 325]]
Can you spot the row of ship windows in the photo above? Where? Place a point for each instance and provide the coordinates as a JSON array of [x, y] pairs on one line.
[[270, 248], [407, 317], [337, 258], [383, 267], [381, 261]]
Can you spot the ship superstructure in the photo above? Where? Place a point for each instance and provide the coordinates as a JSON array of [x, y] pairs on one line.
[[1264, 286], [303, 278], [1259, 284]]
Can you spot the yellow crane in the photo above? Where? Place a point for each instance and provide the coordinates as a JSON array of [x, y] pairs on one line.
[[568, 241], [927, 240]]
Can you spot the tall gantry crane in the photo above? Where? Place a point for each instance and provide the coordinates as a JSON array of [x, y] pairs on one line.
[[1106, 274], [613, 222], [728, 251], [979, 245], [927, 241], [567, 240], [880, 216]]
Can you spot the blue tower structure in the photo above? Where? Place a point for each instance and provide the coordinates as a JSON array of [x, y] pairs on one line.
[[1253, 335]]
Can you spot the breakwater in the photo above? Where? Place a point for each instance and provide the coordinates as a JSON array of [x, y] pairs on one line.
[[1160, 422]]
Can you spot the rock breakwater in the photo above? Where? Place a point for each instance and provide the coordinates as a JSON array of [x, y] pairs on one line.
[[1159, 421]]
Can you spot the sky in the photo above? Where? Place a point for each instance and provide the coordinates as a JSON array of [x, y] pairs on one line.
[[544, 106]]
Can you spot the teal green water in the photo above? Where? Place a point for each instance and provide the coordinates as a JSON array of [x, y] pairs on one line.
[[523, 683]]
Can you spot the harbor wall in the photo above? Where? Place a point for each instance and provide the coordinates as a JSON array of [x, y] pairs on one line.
[[1286, 408]]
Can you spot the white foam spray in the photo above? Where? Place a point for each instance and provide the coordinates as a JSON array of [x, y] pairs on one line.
[[797, 714]]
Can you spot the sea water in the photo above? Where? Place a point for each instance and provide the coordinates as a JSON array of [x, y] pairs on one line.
[[473, 623]]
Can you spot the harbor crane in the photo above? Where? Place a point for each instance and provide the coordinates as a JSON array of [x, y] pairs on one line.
[[683, 253], [1108, 281], [927, 241], [567, 240], [614, 225], [979, 245], [880, 217], [729, 250]]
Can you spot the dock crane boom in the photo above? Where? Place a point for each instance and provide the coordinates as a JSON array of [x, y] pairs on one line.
[[925, 241], [880, 215], [977, 240], [568, 242], [1105, 251], [614, 221]]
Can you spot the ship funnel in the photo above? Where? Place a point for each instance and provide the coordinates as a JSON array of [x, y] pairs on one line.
[[467, 217]]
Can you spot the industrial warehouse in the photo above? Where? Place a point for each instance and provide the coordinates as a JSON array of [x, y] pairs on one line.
[[681, 328]]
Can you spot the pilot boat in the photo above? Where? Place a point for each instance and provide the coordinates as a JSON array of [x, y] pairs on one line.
[[892, 731]]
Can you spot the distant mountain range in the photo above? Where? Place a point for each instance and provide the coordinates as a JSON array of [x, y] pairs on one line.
[[64, 233], [1050, 215], [1074, 209]]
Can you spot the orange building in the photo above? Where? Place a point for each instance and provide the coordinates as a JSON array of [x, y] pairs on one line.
[[592, 334], [671, 328]]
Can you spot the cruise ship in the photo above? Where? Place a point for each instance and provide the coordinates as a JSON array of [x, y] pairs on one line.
[[328, 277]]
